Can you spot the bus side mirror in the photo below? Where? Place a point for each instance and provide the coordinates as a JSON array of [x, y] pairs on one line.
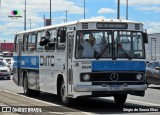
[[43, 41], [145, 37]]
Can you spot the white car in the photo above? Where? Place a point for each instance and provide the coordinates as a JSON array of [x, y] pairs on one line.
[[4, 71]]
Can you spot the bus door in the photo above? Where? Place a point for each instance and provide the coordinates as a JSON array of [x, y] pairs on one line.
[[69, 70], [17, 77]]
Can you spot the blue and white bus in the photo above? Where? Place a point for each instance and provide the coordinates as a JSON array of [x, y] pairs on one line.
[[54, 63]]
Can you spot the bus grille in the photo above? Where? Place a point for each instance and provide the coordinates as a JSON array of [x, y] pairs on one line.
[[111, 77], [137, 26], [84, 25]]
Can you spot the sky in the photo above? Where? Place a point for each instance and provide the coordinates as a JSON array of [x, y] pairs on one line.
[[145, 11]]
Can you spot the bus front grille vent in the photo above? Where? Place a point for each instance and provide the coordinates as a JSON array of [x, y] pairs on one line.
[[137, 26], [84, 25]]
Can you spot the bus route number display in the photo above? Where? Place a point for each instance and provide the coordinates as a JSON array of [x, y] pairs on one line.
[[112, 25]]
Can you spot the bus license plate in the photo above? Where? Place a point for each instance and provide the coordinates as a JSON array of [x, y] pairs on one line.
[[114, 88]]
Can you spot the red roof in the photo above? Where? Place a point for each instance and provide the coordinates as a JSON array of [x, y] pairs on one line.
[[7, 47]]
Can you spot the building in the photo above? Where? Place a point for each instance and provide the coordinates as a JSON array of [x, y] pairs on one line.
[[153, 47], [6, 47]]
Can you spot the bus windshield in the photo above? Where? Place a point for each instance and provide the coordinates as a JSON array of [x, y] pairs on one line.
[[109, 44], [128, 44]]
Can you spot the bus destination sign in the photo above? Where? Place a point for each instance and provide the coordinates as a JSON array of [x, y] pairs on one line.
[[106, 25]]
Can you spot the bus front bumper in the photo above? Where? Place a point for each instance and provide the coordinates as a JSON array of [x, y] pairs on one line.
[[89, 88]]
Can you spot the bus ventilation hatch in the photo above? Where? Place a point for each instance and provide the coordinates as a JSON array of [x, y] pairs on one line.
[[84, 25], [137, 26]]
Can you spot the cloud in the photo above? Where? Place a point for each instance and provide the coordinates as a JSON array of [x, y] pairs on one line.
[[152, 27], [153, 8], [98, 17], [140, 2], [106, 10], [35, 10]]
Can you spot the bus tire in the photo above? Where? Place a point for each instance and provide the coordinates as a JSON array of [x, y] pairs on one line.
[[27, 91], [64, 99], [120, 99]]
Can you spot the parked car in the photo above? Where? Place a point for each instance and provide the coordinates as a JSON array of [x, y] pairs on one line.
[[153, 73], [11, 65], [1, 58], [4, 71], [7, 60]]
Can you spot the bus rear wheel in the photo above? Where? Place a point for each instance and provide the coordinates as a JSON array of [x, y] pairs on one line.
[[27, 91], [64, 99], [120, 99]]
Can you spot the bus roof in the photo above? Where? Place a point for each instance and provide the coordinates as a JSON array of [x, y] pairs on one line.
[[76, 22]]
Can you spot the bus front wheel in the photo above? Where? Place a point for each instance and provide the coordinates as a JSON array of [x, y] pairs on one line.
[[65, 100], [120, 99]]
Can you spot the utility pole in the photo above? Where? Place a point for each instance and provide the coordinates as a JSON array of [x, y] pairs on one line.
[[126, 9], [0, 3], [66, 16], [118, 10], [50, 10], [25, 16], [30, 23], [84, 9], [44, 17]]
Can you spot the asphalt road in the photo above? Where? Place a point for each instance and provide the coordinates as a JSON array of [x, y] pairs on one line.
[[12, 95]]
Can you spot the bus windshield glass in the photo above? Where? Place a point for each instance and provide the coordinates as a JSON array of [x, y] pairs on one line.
[[128, 44], [109, 44], [92, 43]]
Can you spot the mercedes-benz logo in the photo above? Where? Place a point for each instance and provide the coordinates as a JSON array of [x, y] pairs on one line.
[[114, 76]]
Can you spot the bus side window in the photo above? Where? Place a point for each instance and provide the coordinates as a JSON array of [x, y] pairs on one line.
[[39, 36], [15, 43], [61, 39], [52, 40], [24, 47], [31, 42], [17, 38], [62, 36]]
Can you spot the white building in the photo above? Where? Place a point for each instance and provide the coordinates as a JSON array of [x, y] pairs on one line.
[[153, 47]]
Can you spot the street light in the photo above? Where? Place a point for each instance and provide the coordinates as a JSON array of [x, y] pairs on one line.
[[30, 23], [84, 9], [118, 9], [0, 3], [25, 16], [126, 9], [66, 15], [50, 10]]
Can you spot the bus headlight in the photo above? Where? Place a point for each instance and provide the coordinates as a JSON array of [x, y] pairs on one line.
[[139, 76], [86, 77]]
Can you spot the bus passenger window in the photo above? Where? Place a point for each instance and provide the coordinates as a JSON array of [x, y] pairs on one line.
[[31, 42], [63, 36], [39, 36], [50, 35], [61, 40], [24, 43]]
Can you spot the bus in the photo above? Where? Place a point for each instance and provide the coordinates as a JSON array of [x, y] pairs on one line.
[[54, 63]]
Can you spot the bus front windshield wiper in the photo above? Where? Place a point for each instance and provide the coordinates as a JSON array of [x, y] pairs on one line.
[[124, 52], [104, 49]]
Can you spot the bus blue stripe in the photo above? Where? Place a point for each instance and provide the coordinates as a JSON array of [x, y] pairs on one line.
[[118, 66], [26, 62]]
